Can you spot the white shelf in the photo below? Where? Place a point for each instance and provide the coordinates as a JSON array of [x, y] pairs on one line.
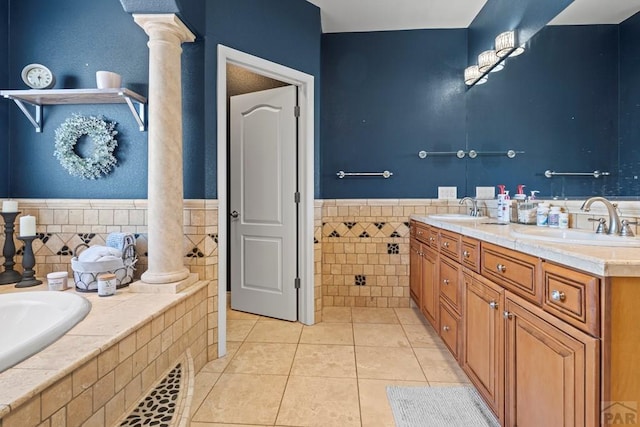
[[40, 97]]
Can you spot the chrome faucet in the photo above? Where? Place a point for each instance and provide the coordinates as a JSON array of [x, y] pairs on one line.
[[474, 211], [614, 219]]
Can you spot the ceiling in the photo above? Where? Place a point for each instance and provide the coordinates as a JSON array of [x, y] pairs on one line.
[[384, 15]]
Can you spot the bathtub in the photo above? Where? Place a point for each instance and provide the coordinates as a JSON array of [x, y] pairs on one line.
[[30, 321]]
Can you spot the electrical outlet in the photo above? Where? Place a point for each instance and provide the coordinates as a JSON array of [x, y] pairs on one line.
[[447, 192], [485, 192]]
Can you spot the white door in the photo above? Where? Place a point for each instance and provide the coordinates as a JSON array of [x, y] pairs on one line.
[[262, 206]]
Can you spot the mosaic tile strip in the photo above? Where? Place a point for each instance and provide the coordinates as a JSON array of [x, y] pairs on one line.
[[159, 406], [365, 229]]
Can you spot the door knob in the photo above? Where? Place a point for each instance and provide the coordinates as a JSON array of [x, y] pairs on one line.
[[234, 214]]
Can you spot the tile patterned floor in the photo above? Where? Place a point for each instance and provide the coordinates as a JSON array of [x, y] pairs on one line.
[[279, 373]]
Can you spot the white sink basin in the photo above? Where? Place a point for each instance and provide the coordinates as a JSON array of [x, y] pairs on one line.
[[573, 236], [457, 217]]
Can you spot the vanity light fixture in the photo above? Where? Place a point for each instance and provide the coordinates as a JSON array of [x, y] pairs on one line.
[[472, 75], [487, 60], [506, 45]]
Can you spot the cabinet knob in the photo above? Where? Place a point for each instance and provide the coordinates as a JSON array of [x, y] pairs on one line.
[[446, 281], [507, 315], [466, 254], [419, 233], [501, 268], [557, 295], [445, 244], [493, 305], [446, 328], [432, 239]]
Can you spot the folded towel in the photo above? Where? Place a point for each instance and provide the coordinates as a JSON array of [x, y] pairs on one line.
[[99, 253], [121, 241]]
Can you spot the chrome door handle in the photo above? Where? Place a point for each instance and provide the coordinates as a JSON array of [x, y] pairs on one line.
[[446, 328], [494, 305], [234, 214], [466, 254], [445, 281], [501, 268]]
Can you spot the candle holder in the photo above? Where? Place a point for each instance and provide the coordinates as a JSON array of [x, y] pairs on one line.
[[9, 275], [28, 262]]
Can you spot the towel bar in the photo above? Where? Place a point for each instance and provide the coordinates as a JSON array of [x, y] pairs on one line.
[[596, 174], [385, 174]]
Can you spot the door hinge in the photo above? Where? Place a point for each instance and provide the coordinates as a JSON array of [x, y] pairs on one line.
[[296, 283], [296, 197], [296, 111]]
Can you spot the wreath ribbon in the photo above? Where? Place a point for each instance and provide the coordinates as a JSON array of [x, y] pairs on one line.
[[102, 133]]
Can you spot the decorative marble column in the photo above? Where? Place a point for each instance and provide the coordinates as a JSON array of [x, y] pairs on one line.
[[165, 187]]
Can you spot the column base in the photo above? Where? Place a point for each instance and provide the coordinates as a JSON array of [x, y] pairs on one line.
[[169, 277], [143, 287]]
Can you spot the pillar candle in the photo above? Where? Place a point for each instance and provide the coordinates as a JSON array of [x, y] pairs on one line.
[[9, 206], [28, 225]]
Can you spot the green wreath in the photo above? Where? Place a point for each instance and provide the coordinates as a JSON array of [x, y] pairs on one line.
[[101, 132]]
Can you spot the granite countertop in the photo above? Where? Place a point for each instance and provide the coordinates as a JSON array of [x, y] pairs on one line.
[[612, 261]]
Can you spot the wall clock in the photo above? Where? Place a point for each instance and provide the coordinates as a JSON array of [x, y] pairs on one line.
[[37, 76]]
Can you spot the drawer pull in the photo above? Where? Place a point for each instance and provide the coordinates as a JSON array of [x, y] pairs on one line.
[[446, 328], [507, 315], [466, 254], [557, 295], [501, 268], [419, 233], [446, 281], [432, 239], [493, 305], [446, 244]]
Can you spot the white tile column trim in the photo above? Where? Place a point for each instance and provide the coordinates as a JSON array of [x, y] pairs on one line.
[[165, 187]]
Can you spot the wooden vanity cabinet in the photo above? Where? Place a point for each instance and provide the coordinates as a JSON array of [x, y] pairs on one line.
[[526, 331], [415, 271], [429, 300], [483, 344], [551, 369]]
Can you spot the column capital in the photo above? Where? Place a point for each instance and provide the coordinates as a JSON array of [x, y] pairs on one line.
[[164, 22]]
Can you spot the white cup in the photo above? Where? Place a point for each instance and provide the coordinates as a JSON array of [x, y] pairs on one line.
[[108, 80]]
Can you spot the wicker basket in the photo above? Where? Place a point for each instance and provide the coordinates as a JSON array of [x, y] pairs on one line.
[[85, 274]]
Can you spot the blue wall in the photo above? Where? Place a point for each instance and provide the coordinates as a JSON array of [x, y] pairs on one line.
[[629, 151], [284, 31], [558, 103], [385, 97], [99, 35]]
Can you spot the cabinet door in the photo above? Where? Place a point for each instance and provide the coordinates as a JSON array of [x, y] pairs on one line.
[[415, 271], [551, 373], [429, 297], [483, 356]]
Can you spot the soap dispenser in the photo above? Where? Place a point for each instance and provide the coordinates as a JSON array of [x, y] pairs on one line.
[[504, 203]]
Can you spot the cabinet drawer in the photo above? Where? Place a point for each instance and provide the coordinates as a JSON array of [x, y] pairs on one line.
[[450, 244], [513, 270], [572, 296], [449, 329], [422, 232], [471, 253], [450, 283]]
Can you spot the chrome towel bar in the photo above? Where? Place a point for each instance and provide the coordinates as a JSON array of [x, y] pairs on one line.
[[596, 174], [385, 174], [471, 153]]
